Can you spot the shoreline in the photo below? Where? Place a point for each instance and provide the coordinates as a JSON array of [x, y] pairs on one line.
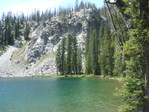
[[119, 79]]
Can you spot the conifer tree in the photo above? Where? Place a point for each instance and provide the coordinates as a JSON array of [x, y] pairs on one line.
[[1, 40], [60, 58], [92, 65], [94, 57], [106, 54], [37, 16], [76, 6], [87, 56], [26, 31], [17, 28], [69, 54], [79, 61], [135, 51], [74, 54]]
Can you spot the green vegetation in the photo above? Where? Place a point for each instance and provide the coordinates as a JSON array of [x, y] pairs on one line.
[[68, 57], [133, 52], [17, 53], [115, 47], [121, 50], [45, 56], [76, 76], [92, 65], [3, 49]]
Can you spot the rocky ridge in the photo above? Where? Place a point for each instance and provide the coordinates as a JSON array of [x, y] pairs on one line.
[[37, 56]]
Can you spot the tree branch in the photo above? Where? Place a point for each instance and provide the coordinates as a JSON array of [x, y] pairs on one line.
[[114, 27]]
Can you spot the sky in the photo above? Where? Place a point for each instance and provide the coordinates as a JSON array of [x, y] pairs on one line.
[[27, 6]]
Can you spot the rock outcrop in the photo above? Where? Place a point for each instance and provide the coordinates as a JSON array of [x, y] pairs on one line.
[[37, 56]]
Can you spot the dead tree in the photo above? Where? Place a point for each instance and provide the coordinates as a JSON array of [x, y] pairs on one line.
[[144, 17], [120, 41]]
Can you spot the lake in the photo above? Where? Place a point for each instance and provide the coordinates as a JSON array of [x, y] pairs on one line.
[[58, 95]]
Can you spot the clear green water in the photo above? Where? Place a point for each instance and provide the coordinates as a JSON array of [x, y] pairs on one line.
[[58, 95]]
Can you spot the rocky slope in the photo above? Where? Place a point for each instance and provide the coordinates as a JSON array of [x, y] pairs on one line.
[[37, 56], [5, 62]]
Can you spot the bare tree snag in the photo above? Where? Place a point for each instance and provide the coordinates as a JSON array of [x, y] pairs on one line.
[[114, 27]]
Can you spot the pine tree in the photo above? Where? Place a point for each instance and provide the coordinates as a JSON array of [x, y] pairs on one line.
[[9, 39], [94, 57], [37, 16], [1, 40], [135, 53], [76, 6], [69, 54], [87, 56], [74, 54], [92, 65], [26, 31], [106, 53], [79, 61], [17, 28], [60, 58]]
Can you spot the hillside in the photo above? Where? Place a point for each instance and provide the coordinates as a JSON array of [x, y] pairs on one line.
[[37, 55], [111, 42]]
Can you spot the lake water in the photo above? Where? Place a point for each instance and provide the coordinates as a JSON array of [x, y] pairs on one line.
[[58, 95]]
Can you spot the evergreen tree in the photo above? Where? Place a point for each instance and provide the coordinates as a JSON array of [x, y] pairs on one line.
[[79, 61], [26, 31], [49, 15], [69, 54], [82, 5], [77, 6], [1, 40], [17, 28], [10, 35], [87, 56], [94, 53], [88, 69], [92, 65], [67, 60], [106, 53], [74, 54], [37, 16], [60, 58], [87, 61], [135, 52]]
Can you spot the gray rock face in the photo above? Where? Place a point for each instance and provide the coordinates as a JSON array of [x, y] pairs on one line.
[[38, 55]]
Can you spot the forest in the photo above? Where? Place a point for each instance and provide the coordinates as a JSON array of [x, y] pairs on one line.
[[116, 47], [120, 50]]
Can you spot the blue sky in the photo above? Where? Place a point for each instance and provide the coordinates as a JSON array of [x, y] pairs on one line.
[[27, 6]]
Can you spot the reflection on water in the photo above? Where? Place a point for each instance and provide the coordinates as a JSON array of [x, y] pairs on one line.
[[57, 95]]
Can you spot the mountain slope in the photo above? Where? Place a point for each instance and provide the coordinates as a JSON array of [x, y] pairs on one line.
[[5, 63], [37, 56]]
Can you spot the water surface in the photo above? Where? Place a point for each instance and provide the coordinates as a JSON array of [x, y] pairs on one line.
[[58, 95]]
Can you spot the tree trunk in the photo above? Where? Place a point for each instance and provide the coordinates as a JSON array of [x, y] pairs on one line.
[[144, 16], [146, 100]]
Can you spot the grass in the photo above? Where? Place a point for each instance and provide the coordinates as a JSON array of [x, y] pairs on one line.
[[45, 56], [54, 75], [75, 76], [3, 49], [80, 75], [16, 54]]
